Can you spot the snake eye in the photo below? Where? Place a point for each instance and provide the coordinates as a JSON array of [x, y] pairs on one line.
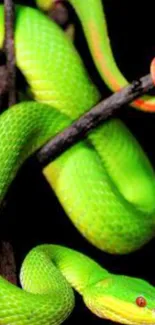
[[141, 302]]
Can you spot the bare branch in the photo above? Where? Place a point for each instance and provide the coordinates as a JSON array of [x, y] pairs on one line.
[[79, 129], [8, 85], [7, 262], [3, 80], [10, 51]]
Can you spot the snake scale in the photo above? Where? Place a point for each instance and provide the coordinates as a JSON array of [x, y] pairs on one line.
[[105, 183]]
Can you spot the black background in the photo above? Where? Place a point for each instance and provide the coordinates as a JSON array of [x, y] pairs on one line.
[[32, 214]]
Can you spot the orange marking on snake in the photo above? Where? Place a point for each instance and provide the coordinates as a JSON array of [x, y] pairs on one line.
[[98, 55], [140, 103]]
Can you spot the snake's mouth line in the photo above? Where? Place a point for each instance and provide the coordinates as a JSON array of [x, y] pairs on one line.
[[107, 312], [121, 319]]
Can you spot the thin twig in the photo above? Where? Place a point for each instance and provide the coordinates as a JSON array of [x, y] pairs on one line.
[[9, 50], [79, 129]]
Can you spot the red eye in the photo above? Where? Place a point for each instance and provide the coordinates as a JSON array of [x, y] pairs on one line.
[[141, 302]]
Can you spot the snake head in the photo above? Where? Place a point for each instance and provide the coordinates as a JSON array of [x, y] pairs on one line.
[[122, 299]]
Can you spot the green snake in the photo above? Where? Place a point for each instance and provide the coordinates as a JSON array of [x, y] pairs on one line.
[[105, 183]]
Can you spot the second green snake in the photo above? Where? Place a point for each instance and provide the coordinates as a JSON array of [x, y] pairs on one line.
[[105, 184]]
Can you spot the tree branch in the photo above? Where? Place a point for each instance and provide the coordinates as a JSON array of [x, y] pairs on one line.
[[3, 80], [9, 50], [8, 85], [79, 129], [7, 262]]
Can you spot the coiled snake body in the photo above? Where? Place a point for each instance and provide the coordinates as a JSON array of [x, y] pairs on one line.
[[105, 184]]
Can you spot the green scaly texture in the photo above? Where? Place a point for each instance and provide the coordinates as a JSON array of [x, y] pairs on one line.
[[105, 184]]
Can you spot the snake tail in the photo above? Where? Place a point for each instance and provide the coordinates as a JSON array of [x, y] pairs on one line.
[[94, 22]]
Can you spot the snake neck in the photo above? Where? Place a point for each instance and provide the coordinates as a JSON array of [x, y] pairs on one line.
[[105, 294], [79, 270]]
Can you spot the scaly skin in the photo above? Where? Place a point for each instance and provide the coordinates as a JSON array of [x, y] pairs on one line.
[[107, 295], [95, 26], [105, 184]]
